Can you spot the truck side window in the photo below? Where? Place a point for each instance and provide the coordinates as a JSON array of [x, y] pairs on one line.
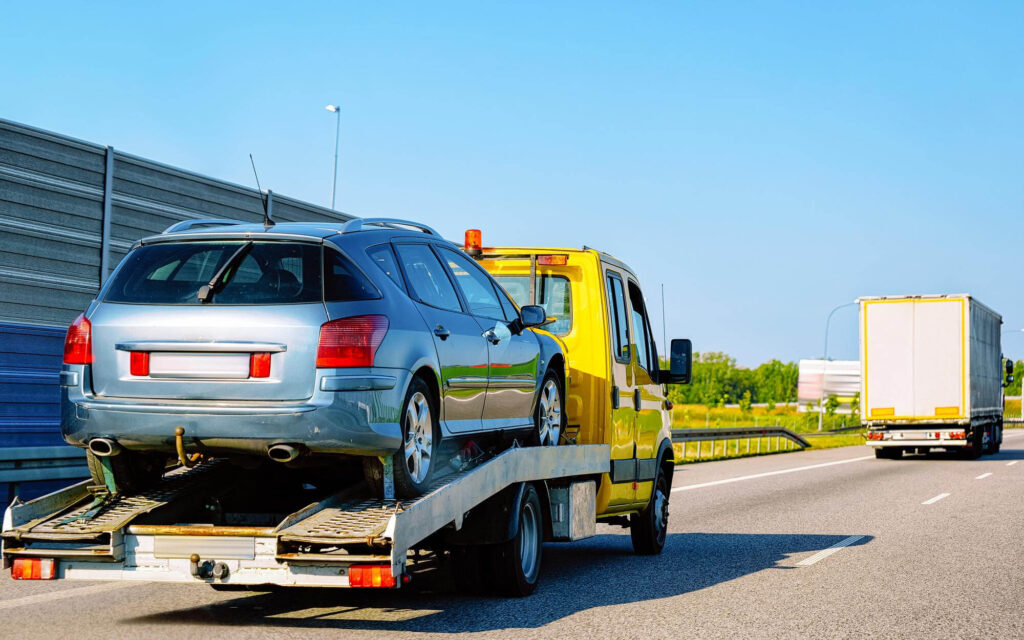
[[641, 328], [619, 323]]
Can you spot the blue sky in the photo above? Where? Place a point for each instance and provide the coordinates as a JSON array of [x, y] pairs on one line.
[[766, 161]]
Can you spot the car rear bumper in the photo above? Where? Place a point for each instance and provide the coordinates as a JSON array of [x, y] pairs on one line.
[[357, 413]]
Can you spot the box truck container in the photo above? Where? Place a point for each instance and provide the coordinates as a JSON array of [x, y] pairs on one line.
[[931, 374]]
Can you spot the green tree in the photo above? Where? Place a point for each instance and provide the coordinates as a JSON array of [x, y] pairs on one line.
[[831, 405], [745, 402]]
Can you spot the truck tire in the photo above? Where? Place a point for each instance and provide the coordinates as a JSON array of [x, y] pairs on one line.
[[549, 417], [997, 440], [515, 564], [649, 528], [130, 471], [977, 446]]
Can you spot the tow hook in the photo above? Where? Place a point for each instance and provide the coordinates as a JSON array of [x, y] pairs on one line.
[[201, 570], [179, 445]]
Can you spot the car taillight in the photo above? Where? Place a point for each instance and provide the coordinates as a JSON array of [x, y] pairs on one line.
[[370, 575], [350, 342], [78, 343], [259, 365], [139, 363], [34, 569]]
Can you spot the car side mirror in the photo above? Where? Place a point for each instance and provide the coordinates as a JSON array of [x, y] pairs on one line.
[[680, 363], [533, 315]]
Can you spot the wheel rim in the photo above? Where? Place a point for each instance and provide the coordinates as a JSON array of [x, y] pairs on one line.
[[419, 437], [549, 423], [660, 513], [529, 531]]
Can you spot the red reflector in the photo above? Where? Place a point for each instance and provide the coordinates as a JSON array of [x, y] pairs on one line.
[[957, 435], [875, 435], [351, 342], [259, 365], [553, 261], [78, 343], [371, 576], [140, 363], [34, 569]]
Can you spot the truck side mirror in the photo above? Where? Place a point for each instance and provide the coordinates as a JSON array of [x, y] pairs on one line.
[[1009, 367], [680, 363], [533, 315]]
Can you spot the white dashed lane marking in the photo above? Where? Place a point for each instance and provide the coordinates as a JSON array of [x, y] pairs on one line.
[[983, 476], [936, 498], [1010, 464], [65, 593], [701, 485], [824, 553]]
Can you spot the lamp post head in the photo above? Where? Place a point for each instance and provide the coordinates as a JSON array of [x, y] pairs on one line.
[[332, 107]]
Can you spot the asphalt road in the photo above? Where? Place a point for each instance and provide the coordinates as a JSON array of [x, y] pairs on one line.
[[745, 559]]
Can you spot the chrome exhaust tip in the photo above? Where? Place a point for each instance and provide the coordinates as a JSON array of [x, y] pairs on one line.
[[283, 452], [104, 447]]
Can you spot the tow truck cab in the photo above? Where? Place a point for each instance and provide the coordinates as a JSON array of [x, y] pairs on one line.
[[616, 392]]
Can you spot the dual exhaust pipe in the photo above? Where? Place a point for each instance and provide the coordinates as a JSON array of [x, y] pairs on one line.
[[105, 448]]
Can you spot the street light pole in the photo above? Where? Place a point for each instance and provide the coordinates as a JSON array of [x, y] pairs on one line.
[[337, 136], [824, 364]]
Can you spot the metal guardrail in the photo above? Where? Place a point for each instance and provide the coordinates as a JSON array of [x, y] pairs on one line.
[[32, 464], [780, 434]]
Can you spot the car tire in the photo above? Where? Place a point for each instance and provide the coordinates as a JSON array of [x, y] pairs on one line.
[[415, 462], [131, 471], [549, 415], [515, 564], [649, 528]]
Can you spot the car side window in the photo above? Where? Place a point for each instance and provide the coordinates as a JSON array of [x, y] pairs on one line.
[[475, 285], [619, 323], [343, 281], [427, 279], [641, 329], [509, 307], [384, 257]]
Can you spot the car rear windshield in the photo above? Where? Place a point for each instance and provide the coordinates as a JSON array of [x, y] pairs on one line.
[[552, 293], [264, 273]]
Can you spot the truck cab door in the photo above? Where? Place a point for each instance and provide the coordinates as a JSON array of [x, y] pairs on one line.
[[622, 389], [650, 415]]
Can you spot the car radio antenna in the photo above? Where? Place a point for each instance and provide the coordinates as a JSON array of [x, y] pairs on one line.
[[267, 220]]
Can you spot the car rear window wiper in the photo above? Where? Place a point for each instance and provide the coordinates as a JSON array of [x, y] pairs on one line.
[[218, 282]]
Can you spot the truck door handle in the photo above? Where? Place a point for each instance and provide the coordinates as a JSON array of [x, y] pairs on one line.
[[636, 398], [491, 336], [615, 397], [442, 333]]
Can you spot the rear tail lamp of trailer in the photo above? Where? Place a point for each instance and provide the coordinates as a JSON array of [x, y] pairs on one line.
[[875, 435], [559, 260], [78, 342], [34, 569], [371, 576], [957, 435], [351, 342]]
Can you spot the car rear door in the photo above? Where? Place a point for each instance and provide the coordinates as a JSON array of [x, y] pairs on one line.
[[461, 347], [512, 373]]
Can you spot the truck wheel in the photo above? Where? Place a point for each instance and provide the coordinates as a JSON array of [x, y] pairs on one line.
[[649, 528], [549, 418], [414, 463], [997, 439], [130, 471], [977, 448], [516, 563]]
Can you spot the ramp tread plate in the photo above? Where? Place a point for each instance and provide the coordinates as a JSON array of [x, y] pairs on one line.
[[123, 509]]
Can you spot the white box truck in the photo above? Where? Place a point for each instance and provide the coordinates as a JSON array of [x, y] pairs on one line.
[[931, 374]]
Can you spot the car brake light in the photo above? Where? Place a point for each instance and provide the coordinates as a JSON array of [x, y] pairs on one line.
[[474, 242], [78, 343], [370, 575], [34, 569], [139, 361], [259, 365], [350, 342], [553, 260]]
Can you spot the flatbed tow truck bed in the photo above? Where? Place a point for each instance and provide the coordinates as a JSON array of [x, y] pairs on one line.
[[346, 539]]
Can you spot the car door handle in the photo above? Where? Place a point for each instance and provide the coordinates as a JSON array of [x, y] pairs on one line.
[[442, 333], [491, 336]]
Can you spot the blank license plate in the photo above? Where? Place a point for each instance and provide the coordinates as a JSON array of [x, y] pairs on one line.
[[199, 365]]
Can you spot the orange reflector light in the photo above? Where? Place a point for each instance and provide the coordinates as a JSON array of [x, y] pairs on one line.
[[957, 435], [370, 575], [553, 260], [947, 411], [259, 365], [474, 242], [874, 435], [139, 361], [883, 411], [34, 569]]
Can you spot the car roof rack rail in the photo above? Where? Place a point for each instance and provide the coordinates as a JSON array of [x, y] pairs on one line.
[[188, 225], [356, 224]]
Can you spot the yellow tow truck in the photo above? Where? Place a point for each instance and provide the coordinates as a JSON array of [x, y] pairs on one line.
[[616, 392]]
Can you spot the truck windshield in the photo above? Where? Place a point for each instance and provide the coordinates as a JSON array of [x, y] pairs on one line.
[[552, 293], [173, 273]]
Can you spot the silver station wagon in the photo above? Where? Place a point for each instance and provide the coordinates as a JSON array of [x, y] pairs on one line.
[[374, 338]]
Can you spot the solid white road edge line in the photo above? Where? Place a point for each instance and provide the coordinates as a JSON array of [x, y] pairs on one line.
[[936, 498], [701, 485], [824, 553], [65, 593], [983, 476], [1010, 464]]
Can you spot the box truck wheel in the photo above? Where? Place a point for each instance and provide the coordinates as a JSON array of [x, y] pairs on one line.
[[649, 527], [888, 453], [516, 563]]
